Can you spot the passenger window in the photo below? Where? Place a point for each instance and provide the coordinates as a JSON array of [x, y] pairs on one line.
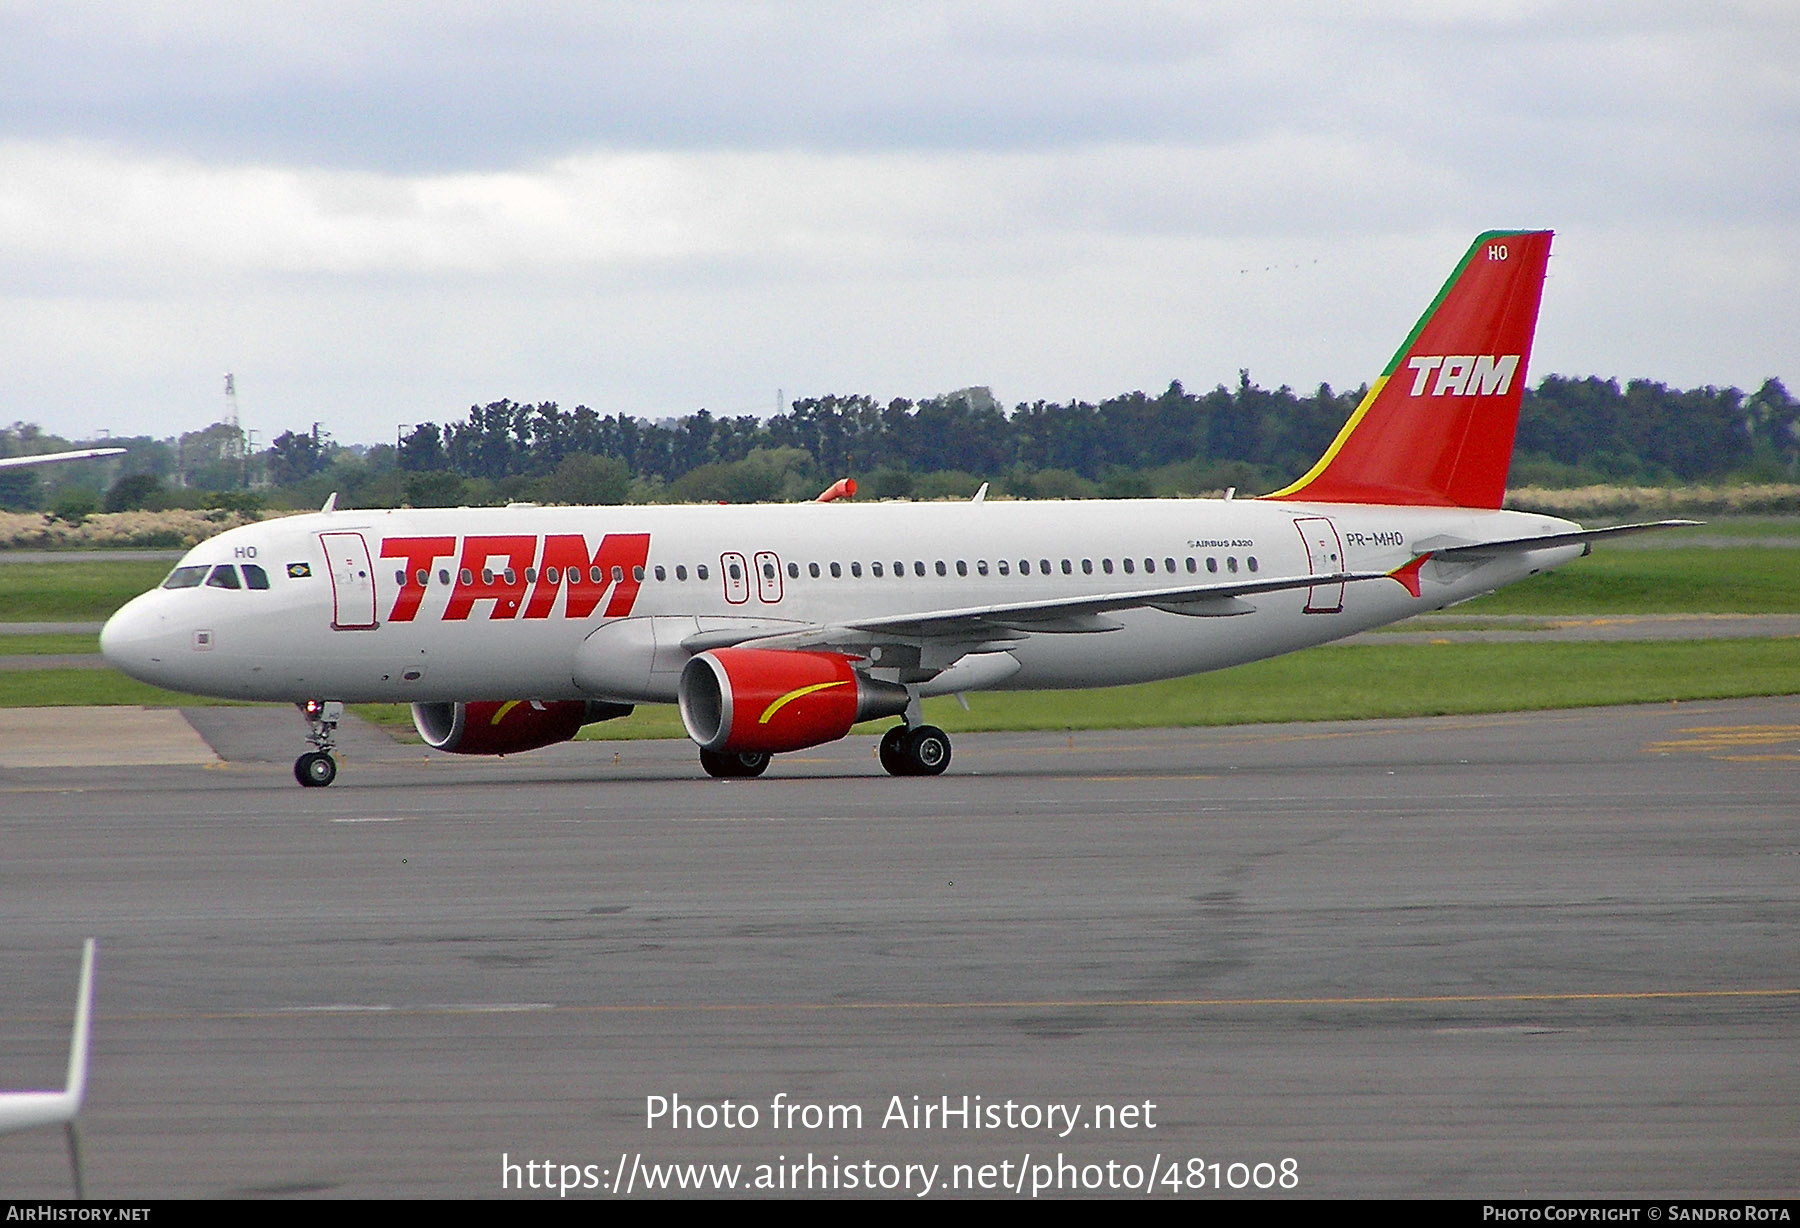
[[256, 577], [768, 571], [1169, 566], [1044, 566], [618, 574], [552, 576], [1212, 564], [856, 570], [1130, 567], [468, 577], [400, 578], [735, 573], [487, 575], [223, 577], [1068, 568], [1252, 562], [837, 572], [1192, 568], [1024, 567], [700, 571], [681, 571], [1149, 567], [510, 576], [1231, 564], [812, 569], [1005, 568], [444, 576], [918, 568], [875, 570], [793, 571], [962, 568], [596, 576], [1087, 567], [1106, 566], [531, 575], [637, 573], [940, 568], [660, 573], [981, 567], [185, 577]]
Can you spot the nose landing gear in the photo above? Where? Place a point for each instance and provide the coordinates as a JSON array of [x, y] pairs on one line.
[[316, 768]]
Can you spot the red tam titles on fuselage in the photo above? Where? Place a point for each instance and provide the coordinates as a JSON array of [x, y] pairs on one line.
[[548, 567]]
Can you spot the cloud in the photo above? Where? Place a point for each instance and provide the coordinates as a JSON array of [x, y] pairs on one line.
[[403, 208]]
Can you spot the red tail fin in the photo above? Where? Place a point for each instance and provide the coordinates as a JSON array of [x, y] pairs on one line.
[[1437, 428]]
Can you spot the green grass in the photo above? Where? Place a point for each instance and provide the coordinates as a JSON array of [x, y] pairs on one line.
[[1359, 681], [1364, 680], [1733, 526], [1679, 580], [85, 591], [43, 645], [56, 688], [1352, 682]]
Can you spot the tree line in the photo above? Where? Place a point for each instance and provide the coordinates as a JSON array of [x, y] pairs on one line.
[[1571, 432]]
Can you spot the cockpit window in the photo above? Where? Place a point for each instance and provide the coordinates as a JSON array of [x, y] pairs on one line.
[[223, 576], [185, 577], [256, 577]]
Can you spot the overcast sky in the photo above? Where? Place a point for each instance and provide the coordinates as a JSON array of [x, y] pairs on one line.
[[381, 213]]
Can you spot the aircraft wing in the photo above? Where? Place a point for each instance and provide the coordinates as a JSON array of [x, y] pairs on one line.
[[947, 634], [1088, 614], [19, 1110], [19, 462]]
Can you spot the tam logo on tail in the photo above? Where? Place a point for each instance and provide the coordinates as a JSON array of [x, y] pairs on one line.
[[1471, 347], [1464, 375]]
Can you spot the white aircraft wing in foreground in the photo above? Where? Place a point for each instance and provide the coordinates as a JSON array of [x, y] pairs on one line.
[[22, 1110]]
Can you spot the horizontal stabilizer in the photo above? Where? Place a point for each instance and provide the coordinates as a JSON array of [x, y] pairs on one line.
[[1515, 545]]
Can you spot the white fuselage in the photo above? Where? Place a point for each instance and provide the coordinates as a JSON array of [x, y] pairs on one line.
[[336, 621]]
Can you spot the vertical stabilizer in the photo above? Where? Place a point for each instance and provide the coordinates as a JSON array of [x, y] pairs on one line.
[[1436, 429]]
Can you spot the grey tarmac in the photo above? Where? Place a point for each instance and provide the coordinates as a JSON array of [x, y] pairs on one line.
[[1533, 955]]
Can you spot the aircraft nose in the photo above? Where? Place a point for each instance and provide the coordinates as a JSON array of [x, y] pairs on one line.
[[134, 640]]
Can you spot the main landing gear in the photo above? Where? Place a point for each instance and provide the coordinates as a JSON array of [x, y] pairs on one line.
[[915, 750], [316, 768], [734, 763]]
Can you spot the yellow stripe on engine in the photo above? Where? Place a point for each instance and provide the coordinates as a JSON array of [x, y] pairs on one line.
[[506, 707], [791, 696]]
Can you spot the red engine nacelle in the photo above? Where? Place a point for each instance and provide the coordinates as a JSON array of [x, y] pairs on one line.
[[760, 699], [490, 727]]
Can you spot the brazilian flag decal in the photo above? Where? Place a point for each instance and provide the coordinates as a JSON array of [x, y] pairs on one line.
[[299, 571]]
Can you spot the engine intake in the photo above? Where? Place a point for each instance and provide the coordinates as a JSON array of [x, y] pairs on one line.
[[492, 727], [760, 699]]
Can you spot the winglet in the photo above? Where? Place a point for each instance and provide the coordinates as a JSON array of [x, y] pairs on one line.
[[19, 1110], [1436, 429], [76, 1087], [843, 488]]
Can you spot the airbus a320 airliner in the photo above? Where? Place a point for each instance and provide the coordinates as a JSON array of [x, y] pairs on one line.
[[779, 627]]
